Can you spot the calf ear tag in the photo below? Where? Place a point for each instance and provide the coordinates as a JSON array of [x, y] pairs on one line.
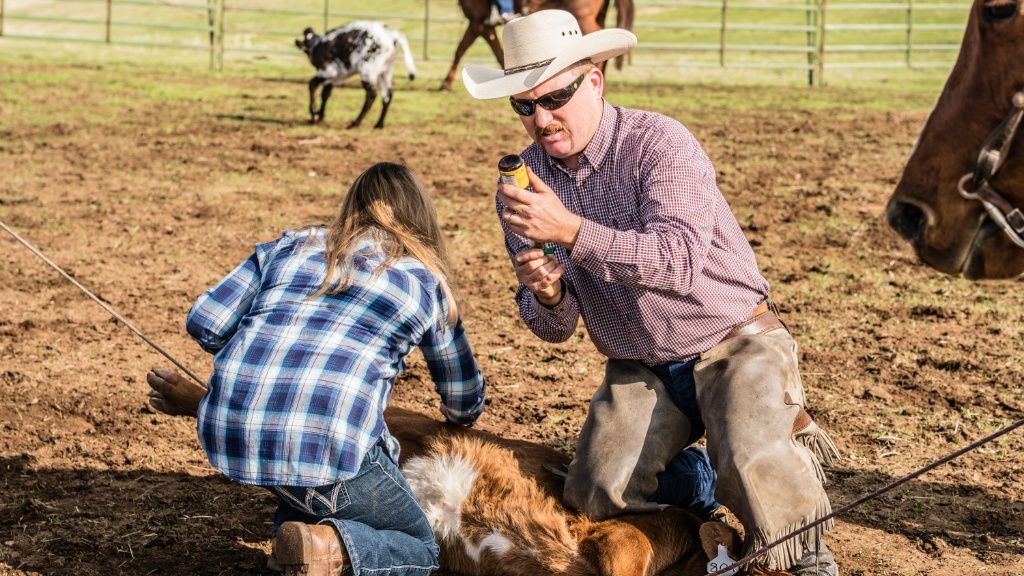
[[721, 562]]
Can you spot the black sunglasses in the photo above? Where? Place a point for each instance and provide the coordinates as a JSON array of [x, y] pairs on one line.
[[551, 101]]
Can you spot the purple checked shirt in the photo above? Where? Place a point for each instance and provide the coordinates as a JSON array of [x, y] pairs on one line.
[[661, 269]]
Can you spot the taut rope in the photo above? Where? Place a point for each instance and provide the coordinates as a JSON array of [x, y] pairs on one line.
[[101, 303]]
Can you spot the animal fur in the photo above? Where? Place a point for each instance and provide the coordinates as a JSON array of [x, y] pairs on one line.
[[492, 505]]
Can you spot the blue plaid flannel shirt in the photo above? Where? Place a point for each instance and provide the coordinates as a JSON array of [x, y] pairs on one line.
[[299, 386]]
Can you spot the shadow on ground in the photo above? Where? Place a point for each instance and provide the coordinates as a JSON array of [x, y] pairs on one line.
[[86, 522], [61, 521]]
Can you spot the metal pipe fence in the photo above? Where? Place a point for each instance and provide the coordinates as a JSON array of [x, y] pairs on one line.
[[811, 36]]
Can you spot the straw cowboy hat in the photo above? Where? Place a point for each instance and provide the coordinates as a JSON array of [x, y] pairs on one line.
[[540, 46]]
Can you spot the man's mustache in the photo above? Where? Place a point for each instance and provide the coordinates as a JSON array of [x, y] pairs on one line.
[[548, 130]]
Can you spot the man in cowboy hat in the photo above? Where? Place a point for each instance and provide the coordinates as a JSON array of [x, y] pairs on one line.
[[648, 252]]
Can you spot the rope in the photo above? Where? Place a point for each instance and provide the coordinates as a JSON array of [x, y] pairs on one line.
[[895, 484], [101, 303]]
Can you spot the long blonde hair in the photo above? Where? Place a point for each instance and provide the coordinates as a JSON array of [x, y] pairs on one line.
[[389, 202]]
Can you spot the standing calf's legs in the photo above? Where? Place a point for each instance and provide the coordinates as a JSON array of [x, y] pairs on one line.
[[324, 95], [315, 83], [386, 99], [371, 95], [384, 85]]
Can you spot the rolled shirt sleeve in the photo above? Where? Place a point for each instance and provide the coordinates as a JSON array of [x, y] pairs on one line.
[[555, 324], [454, 371]]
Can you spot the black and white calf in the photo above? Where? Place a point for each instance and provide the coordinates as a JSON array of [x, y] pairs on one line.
[[368, 48]]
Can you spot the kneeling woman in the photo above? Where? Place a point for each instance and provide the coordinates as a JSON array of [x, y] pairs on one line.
[[309, 334]]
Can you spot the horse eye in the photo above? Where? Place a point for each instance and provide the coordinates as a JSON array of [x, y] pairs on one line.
[[1000, 12]]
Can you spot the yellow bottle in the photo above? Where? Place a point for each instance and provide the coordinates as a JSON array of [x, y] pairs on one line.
[[512, 170]]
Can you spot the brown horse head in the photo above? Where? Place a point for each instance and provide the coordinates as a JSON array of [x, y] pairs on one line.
[[950, 230]]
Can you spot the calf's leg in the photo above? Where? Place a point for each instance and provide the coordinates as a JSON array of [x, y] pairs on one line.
[[385, 96], [371, 95], [324, 95], [642, 544], [314, 116]]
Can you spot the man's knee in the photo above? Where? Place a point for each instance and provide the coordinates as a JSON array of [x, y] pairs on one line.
[[632, 431]]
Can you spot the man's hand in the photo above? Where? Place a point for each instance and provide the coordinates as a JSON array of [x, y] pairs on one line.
[[539, 215], [541, 274]]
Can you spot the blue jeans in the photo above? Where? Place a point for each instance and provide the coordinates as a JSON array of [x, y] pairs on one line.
[[688, 480], [382, 526], [505, 6]]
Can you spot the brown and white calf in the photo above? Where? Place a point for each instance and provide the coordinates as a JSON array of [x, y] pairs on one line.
[[362, 47], [492, 503]]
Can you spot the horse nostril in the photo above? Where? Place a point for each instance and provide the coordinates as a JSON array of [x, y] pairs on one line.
[[907, 219]]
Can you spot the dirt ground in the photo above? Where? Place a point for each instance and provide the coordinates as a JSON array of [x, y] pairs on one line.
[[153, 204]]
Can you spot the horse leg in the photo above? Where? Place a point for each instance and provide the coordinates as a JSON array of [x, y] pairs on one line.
[[472, 31], [492, 40]]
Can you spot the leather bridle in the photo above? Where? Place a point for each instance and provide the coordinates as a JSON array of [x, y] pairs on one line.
[[991, 158]]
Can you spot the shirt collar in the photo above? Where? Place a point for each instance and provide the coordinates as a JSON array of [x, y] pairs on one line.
[[600, 143], [596, 151]]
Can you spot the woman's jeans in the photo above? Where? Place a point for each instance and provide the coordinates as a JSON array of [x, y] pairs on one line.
[[382, 526]]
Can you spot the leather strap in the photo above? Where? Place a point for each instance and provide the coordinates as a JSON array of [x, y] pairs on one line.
[[761, 320]]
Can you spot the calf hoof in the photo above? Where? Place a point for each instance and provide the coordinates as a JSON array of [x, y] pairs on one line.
[[378, 125], [316, 119], [352, 125]]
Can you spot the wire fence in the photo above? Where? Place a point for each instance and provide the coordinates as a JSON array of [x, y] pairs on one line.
[[807, 36]]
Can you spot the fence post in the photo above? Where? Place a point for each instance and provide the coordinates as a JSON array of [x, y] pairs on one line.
[[910, 32], [820, 64], [212, 29], [110, 11], [426, 29], [327, 13], [810, 21], [219, 35], [721, 34]]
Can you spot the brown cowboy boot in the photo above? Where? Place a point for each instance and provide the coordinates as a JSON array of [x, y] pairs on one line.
[[309, 550]]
